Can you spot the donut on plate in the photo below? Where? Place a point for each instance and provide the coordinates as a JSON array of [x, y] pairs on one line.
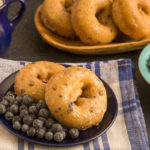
[[56, 17], [88, 27], [132, 17], [76, 97], [32, 78]]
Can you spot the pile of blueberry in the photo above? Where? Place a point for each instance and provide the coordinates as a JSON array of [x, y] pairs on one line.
[[34, 119]]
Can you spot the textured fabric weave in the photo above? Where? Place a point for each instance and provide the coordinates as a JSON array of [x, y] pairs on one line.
[[127, 132]]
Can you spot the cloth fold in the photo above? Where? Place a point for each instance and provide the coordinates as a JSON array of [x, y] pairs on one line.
[[127, 132]]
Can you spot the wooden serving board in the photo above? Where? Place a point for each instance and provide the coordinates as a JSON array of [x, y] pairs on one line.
[[121, 44]]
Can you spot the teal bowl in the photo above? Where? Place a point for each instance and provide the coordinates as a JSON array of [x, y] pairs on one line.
[[143, 59]]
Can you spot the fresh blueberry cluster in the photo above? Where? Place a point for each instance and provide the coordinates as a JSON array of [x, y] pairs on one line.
[[34, 119]]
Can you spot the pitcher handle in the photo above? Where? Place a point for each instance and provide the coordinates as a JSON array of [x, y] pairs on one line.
[[20, 14]]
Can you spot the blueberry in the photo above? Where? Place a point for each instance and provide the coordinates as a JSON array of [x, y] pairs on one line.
[[40, 133], [43, 113], [25, 128], [19, 99], [41, 104], [64, 133], [4, 102], [48, 136], [58, 137], [23, 113], [73, 133], [57, 127], [42, 119], [44, 128], [23, 107], [37, 123], [27, 120], [14, 102], [9, 115], [16, 118], [33, 116], [49, 122], [10, 93], [2, 109], [14, 109], [9, 98], [17, 125], [33, 109], [31, 132], [27, 100]]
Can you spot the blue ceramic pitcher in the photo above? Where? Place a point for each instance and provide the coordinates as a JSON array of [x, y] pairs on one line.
[[6, 26]]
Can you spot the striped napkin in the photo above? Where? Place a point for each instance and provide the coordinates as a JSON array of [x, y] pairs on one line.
[[127, 132]]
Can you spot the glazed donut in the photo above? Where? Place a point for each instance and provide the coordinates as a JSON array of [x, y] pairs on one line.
[[86, 25], [32, 78], [132, 17], [76, 97], [55, 17]]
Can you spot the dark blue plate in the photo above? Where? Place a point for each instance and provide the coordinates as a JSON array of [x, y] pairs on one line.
[[85, 136]]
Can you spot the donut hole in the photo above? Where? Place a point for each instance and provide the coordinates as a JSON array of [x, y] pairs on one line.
[[142, 9], [103, 17], [77, 102], [98, 14], [43, 79], [84, 93]]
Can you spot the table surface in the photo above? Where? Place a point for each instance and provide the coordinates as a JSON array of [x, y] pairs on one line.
[[27, 45]]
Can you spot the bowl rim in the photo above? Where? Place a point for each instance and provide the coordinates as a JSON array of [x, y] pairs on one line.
[[143, 58]]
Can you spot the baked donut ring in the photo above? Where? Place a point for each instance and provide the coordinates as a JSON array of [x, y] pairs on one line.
[[86, 25], [132, 17], [55, 17], [76, 97], [32, 78]]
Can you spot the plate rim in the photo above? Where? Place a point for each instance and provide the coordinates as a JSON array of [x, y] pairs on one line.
[[29, 139]]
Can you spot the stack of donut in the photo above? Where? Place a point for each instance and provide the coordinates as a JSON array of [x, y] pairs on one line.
[[97, 21], [75, 96]]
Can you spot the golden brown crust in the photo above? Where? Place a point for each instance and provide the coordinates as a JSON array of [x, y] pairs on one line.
[[32, 78], [87, 26], [76, 98], [55, 17], [132, 17]]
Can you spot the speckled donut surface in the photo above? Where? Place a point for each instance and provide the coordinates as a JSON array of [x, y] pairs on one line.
[[88, 27], [76, 97], [32, 78], [132, 17], [56, 17]]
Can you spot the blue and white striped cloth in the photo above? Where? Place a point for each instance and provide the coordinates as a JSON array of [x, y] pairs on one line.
[[127, 132]]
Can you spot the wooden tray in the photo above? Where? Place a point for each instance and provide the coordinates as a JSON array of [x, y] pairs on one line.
[[121, 44]]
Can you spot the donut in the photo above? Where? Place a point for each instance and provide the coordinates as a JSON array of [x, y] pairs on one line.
[[87, 26], [32, 78], [56, 17], [132, 17], [76, 97]]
